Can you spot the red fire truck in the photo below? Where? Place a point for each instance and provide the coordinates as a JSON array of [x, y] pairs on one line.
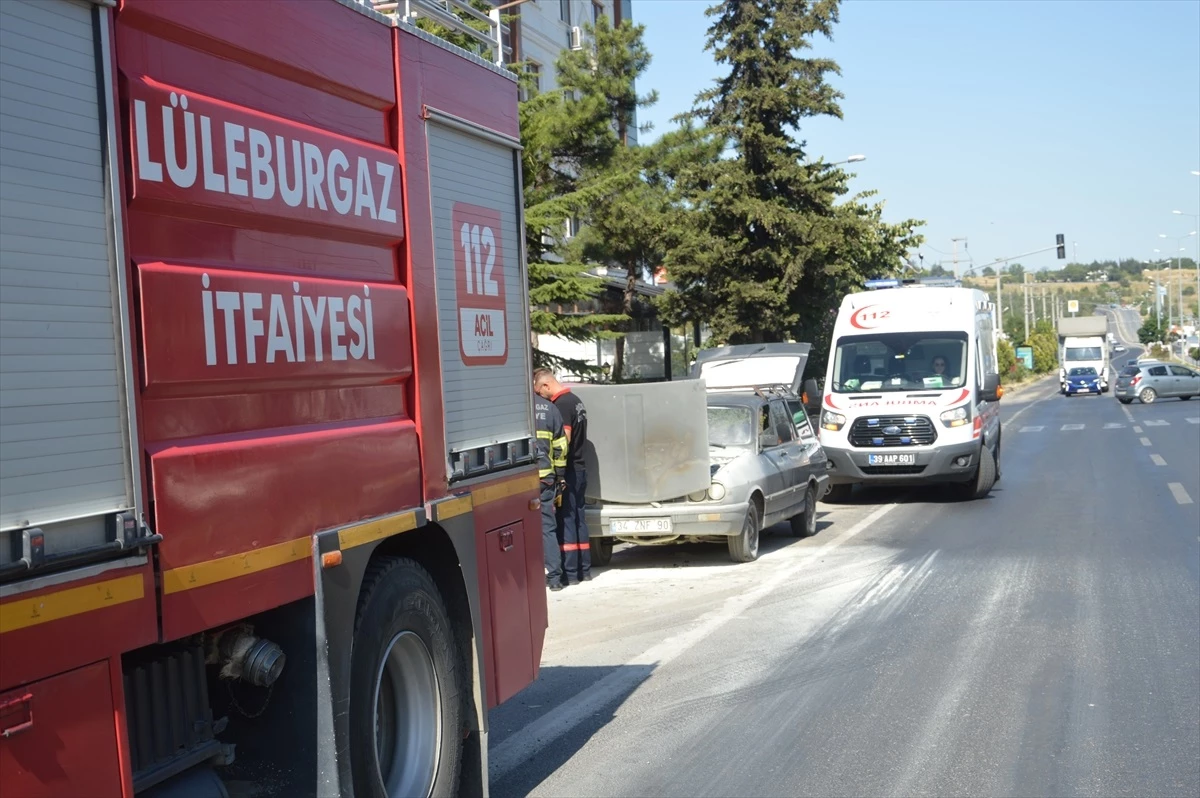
[[269, 518]]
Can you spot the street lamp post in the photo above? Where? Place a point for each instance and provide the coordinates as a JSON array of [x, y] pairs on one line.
[[851, 159], [1178, 266], [1196, 220]]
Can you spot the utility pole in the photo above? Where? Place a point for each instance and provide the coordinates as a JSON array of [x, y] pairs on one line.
[[954, 263], [1000, 297], [1044, 316], [1026, 306]]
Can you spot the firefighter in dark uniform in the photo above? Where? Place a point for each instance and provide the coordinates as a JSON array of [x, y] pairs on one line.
[[552, 465], [577, 553]]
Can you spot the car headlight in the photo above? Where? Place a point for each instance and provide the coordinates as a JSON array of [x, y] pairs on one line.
[[832, 421], [959, 416], [698, 496], [716, 491]]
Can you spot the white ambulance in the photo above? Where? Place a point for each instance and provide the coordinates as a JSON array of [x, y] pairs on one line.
[[912, 389]]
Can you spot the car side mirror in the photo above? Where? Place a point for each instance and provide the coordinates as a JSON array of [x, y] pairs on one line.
[[992, 390], [811, 396]]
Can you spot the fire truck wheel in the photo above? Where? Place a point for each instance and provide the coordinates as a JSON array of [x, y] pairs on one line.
[[406, 694]]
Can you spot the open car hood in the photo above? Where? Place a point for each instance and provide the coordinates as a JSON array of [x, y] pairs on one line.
[[752, 366]]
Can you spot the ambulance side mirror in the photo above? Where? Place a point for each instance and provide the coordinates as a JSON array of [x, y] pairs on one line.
[[991, 390], [811, 397]]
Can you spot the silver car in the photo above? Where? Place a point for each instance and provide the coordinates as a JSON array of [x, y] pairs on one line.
[[1149, 381], [766, 463]]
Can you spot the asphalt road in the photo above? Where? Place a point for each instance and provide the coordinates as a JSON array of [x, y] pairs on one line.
[[1044, 641]]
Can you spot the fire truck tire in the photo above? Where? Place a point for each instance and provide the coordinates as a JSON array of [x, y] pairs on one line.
[[406, 689]]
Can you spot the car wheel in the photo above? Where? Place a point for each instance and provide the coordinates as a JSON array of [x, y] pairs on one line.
[[406, 686], [839, 494], [805, 524], [1148, 395], [1124, 401], [743, 547], [601, 550]]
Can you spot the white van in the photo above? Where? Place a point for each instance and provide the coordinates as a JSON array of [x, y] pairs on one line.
[[911, 391]]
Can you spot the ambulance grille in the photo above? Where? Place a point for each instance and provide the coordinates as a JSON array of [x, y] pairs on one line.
[[880, 431]]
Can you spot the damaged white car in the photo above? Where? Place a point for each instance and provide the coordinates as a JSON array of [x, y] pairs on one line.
[[726, 455]]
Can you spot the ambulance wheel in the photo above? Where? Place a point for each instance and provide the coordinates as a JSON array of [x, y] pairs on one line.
[[839, 494], [601, 550], [406, 693], [985, 477], [743, 547]]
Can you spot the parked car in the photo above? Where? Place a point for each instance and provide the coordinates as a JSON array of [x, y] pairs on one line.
[[1150, 381], [1118, 348], [1081, 379], [766, 463]]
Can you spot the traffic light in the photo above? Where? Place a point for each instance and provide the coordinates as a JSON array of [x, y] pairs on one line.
[[1061, 241]]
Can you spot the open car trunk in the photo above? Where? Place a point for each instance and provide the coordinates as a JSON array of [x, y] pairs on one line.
[[749, 366]]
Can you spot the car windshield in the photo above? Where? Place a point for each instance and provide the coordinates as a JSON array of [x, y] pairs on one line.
[[1130, 371], [730, 426], [1083, 371], [1084, 353], [899, 362]]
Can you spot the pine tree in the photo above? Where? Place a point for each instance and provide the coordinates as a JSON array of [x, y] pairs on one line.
[[761, 252], [575, 165]]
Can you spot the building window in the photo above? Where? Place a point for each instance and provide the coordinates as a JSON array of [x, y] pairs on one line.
[[573, 227], [564, 10], [534, 72]]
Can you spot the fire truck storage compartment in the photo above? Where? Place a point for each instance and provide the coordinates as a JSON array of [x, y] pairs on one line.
[[481, 308], [58, 736], [508, 584], [65, 452]]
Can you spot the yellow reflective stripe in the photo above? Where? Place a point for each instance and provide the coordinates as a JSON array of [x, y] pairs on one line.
[[545, 472], [23, 613], [545, 434]]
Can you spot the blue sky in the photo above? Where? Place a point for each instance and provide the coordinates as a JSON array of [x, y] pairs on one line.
[[1000, 122]]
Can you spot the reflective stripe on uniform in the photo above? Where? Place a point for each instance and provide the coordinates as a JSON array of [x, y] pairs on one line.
[[558, 451], [547, 435]]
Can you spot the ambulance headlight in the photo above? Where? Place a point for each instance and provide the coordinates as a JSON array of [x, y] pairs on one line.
[[957, 417], [832, 421]]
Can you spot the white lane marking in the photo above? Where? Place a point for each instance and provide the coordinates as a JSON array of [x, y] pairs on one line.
[[1032, 429], [543, 732], [1194, 420], [1157, 422], [1137, 429], [1158, 460], [1128, 414], [1145, 441], [1180, 494], [1072, 427], [1114, 425], [1017, 414]]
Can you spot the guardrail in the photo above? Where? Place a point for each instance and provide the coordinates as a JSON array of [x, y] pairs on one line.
[[455, 15]]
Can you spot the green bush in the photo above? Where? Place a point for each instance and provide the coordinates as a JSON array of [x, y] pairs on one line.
[[1007, 357], [1194, 353]]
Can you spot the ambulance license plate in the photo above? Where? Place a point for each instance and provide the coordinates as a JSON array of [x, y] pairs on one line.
[[891, 459]]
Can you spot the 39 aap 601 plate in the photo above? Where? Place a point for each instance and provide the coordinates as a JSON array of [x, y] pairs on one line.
[[891, 459]]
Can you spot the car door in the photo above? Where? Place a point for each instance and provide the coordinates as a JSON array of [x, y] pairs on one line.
[[1187, 382], [776, 462], [1159, 378], [795, 460]]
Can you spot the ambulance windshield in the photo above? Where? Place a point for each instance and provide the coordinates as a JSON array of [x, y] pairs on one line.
[[899, 362]]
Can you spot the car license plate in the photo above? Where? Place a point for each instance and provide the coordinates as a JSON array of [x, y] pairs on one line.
[[891, 459], [624, 526]]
